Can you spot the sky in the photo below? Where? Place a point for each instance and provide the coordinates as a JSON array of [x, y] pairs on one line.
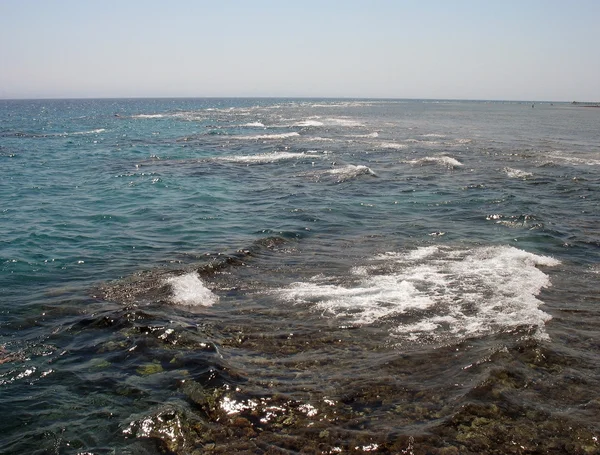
[[435, 49]]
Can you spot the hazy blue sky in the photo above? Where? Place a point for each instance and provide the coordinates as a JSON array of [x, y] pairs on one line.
[[525, 49]]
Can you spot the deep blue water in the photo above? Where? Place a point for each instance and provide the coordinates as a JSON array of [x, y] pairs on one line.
[[280, 276]]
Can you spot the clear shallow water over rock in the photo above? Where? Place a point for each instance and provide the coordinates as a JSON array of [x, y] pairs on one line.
[[298, 276]]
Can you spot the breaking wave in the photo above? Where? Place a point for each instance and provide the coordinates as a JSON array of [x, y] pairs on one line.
[[516, 173], [267, 157], [267, 136], [446, 161], [189, 290], [436, 293]]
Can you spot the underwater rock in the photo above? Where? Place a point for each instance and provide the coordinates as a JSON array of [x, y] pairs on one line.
[[172, 430]]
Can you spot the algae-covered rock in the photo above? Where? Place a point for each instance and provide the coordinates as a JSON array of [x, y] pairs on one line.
[[101, 364], [150, 368]]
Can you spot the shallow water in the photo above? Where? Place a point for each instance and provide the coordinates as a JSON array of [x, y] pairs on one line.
[[299, 276]]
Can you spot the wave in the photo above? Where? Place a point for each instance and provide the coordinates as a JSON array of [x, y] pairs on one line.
[[586, 161], [148, 116], [267, 136], [436, 294], [50, 135], [80, 133], [530, 222], [319, 139], [312, 122], [305, 123], [254, 125], [270, 157], [189, 290], [392, 145], [516, 173], [427, 142], [350, 172], [447, 161], [343, 122], [344, 104], [367, 136]]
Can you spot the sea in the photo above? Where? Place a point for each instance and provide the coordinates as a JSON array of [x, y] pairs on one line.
[[299, 276]]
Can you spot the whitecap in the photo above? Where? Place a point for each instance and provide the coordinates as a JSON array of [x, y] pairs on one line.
[[346, 122], [148, 116], [516, 173], [305, 123], [569, 158], [427, 142], [319, 139], [350, 172], [412, 255], [267, 136], [82, 133], [270, 157], [392, 145], [447, 161], [373, 299], [189, 290], [437, 293], [254, 125], [367, 136]]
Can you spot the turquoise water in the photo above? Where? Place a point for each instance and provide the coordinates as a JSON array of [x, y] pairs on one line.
[[273, 276]]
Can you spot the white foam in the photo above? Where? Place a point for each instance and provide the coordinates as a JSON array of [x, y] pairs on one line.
[[80, 133], [267, 136], [320, 139], [516, 173], [349, 172], [254, 125], [427, 142], [447, 161], [568, 157], [392, 145], [270, 157], [149, 116], [343, 122], [344, 104], [437, 293], [413, 255], [309, 123], [189, 290], [369, 135], [372, 299]]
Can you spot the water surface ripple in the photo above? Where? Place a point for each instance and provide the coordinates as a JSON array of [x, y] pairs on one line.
[[299, 276]]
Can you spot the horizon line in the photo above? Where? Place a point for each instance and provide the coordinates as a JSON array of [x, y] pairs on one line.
[[76, 98]]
